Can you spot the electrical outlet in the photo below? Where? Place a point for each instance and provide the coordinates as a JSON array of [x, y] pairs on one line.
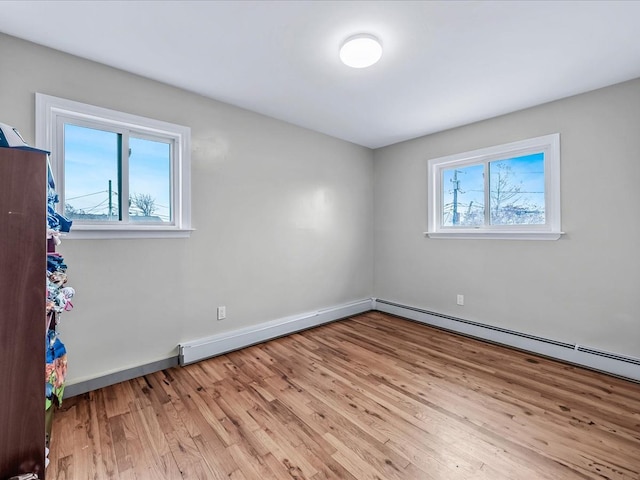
[[460, 299], [222, 313]]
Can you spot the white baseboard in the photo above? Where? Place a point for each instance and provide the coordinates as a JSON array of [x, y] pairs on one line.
[[607, 362], [202, 348]]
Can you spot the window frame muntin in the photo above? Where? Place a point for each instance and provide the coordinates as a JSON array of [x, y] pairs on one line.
[[49, 137], [551, 230]]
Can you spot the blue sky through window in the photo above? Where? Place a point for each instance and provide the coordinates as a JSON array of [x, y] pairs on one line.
[[517, 192], [91, 161], [150, 174]]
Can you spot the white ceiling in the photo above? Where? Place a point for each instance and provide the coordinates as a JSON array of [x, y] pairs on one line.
[[445, 63]]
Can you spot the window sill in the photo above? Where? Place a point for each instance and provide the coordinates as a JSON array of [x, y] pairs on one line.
[[84, 232], [496, 235]]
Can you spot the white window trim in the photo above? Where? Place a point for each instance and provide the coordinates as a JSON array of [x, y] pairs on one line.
[[551, 230], [50, 109]]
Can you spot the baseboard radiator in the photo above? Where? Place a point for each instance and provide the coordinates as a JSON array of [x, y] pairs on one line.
[[193, 351], [607, 362]]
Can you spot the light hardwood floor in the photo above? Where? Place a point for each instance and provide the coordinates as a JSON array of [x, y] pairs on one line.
[[371, 397]]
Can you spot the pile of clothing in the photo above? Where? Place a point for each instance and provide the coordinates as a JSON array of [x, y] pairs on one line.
[[59, 297], [58, 300]]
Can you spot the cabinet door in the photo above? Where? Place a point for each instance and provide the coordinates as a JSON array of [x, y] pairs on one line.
[[22, 311]]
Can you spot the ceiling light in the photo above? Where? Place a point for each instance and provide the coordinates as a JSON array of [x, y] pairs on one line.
[[361, 51]]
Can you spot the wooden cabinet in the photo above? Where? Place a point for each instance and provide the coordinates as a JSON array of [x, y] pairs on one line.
[[23, 218]]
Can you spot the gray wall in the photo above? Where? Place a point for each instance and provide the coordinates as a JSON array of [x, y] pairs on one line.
[[283, 220], [583, 288]]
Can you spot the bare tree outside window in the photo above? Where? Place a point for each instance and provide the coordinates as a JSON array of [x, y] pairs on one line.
[[515, 193], [144, 202], [502, 189], [512, 202]]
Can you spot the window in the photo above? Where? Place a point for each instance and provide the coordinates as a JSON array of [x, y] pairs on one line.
[[117, 174], [508, 191]]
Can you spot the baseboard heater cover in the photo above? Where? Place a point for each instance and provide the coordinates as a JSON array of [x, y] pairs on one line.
[[196, 350], [613, 356], [612, 363]]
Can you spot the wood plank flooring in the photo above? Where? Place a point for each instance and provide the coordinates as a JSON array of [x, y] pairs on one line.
[[372, 397]]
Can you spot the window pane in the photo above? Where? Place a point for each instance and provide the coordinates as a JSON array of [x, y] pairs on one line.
[[90, 174], [149, 181], [463, 196], [517, 190]]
